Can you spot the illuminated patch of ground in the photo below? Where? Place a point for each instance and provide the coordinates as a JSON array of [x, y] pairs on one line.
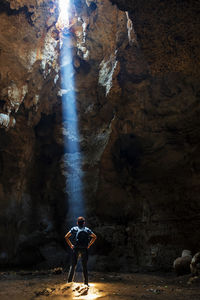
[[78, 291]]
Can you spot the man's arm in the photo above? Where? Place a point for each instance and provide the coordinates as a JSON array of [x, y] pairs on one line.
[[93, 239], [67, 236]]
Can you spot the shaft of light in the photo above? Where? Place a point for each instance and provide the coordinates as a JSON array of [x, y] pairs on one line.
[[73, 155]]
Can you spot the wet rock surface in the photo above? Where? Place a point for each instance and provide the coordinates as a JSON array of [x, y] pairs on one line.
[[137, 92]]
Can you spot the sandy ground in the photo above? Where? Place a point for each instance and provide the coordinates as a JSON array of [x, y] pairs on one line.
[[25, 285]]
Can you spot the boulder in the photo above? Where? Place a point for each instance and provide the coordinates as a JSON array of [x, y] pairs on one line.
[[195, 264], [181, 265]]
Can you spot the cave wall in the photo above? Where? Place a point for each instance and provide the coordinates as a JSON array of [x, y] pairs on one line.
[[136, 74], [29, 141], [151, 161]]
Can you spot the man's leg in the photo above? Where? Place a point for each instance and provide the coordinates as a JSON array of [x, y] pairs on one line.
[[73, 265], [84, 259]]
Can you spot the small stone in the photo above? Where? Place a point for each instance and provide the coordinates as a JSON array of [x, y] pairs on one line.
[[57, 271]]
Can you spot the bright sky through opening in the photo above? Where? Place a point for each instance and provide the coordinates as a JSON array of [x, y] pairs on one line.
[[64, 12]]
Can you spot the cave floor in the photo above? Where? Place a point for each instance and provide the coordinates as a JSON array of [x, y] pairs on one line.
[[23, 285]]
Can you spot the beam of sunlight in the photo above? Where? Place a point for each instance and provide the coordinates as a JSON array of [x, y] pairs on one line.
[[73, 155]]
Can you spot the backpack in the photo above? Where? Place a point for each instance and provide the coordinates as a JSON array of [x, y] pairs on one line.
[[82, 238]]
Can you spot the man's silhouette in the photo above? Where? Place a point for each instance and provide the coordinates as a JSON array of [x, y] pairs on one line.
[[82, 238]]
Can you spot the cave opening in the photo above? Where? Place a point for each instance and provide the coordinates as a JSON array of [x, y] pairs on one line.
[[64, 12]]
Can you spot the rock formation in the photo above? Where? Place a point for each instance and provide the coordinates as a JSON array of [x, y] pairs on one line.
[[136, 83], [195, 264], [181, 264]]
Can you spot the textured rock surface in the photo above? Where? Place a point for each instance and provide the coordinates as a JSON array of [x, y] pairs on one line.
[[137, 91]]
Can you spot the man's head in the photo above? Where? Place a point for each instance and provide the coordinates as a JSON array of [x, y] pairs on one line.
[[80, 221]]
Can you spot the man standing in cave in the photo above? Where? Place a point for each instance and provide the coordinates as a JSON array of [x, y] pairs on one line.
[[82, 238]]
